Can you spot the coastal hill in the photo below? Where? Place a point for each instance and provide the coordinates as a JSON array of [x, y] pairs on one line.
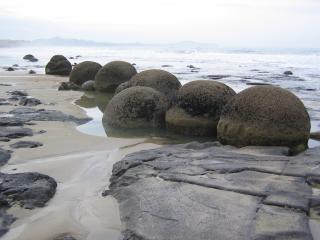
[[57, 41]]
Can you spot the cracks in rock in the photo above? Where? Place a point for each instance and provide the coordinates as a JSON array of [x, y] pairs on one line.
[[161, 217]]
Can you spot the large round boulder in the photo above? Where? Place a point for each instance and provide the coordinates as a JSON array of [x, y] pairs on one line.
[[265, 116], [84, 71], [136, 107], [58, 65], [111, 75], [198, 108], [160, 80]]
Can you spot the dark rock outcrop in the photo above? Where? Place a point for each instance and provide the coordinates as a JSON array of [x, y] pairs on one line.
[[30, 58], [24, 115], [288, 73], [206, 191], [66, 86], [111, 75], [29, 101], [58, 65], [84, 71], [315, 135], [15, 132], [10, 69], [265, 116], [136, 107], [29, 190], [26, 144], [32, 72], [5, 155]]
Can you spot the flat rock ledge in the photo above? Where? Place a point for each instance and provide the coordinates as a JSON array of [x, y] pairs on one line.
[[207, 191]]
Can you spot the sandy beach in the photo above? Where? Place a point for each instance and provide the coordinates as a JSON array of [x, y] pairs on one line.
[[80, 163]]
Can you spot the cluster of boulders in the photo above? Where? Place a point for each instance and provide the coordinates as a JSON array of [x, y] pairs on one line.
[[260, 115]]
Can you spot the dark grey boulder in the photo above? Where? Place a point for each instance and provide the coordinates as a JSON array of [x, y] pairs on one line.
[[88, 86], [29, 190], [208, 191], [111, 75], [32, 72], [29, 101], [30, 58], [58, 65], [26, 144], [84, 72], [288, 73], [136, 107], [10, 69]]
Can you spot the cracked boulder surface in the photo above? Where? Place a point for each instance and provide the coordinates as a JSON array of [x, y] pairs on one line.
[[28, 190], [207, 191]]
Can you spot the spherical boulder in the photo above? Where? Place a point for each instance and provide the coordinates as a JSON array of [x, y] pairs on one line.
[[204, 97], [88, 86], [111, 75], [58, 65], [265, 116], [160, 80], [136, 107], [198, 108], [84, 71]]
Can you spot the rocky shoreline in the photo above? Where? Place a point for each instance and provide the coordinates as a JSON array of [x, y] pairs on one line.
[[28, 190], [209, 191]]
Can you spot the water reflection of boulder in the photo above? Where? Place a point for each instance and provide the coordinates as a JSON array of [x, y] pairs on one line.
[[86, 101]]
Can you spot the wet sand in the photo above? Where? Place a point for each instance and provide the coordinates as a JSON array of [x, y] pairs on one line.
[[80, 163]]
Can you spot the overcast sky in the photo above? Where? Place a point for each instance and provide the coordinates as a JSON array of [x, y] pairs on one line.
[[244, 23]]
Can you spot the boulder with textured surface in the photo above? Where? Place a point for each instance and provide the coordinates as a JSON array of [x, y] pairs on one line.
[[58, 65], [265, 116], [136, 107], [111, 75], [160, 80], [198, 108], [84, 71]]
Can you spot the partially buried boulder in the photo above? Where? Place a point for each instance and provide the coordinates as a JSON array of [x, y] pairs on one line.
[[265, 116], [198, 108], [88, 86], [30, 58], [58, 65], [136, 107], [84, 71], [111, 75], [160, 80]]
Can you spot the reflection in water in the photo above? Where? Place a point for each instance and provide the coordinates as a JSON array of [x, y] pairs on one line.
[[94, 103]]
